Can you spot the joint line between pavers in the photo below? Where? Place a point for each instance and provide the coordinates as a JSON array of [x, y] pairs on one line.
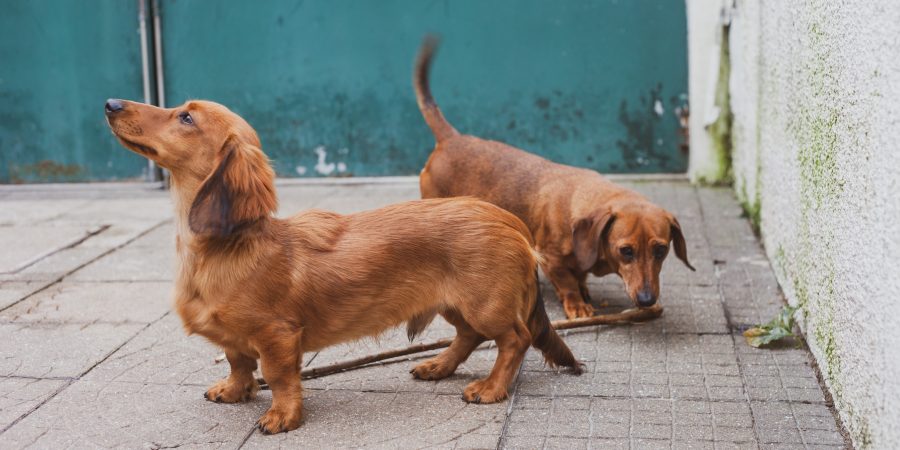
[[81, 266], [72, 244], [727, 317], [73, 380], [509, 409], [777, 365], [597, 349], [669, 387], [38, 405], [247, 437], [631, 390], [25, 377]]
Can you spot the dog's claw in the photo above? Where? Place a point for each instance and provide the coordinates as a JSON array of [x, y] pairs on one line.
[[476, 399], [206, 395]]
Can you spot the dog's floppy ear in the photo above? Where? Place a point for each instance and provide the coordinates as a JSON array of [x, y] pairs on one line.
[[239, 191], [586, 235], [678, 243]]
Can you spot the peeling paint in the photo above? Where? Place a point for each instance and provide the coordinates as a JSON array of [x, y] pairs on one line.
[[322, 167], [643, 146], [45, 170]]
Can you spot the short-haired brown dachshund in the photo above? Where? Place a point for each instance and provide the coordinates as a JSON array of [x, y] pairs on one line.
[[581, 222], [270, 289]]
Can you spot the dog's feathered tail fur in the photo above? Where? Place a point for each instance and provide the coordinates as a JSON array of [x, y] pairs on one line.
[[545, 338], [433, 117]]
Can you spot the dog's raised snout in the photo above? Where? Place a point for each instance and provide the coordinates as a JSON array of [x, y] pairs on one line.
[[645, 298], [114, 105]]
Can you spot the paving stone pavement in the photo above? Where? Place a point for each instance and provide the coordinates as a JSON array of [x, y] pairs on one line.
[[92, 357]]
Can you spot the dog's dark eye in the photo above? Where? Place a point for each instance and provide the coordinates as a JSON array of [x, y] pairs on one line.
[[627, 253], [659, 251], [186, 118]]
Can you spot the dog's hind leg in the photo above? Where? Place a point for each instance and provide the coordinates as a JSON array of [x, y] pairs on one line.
[[511, 347], [444, 364]]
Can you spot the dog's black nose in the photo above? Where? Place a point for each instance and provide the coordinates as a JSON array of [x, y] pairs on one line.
[[114, 105], [645, 298]]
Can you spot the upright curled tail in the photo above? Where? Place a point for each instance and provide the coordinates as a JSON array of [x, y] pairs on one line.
[[433, 117]]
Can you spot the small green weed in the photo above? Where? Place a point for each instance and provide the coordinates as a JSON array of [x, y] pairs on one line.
[[780, 327]]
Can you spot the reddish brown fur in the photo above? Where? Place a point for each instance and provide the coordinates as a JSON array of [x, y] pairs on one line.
[[270, 289], [581, 222]]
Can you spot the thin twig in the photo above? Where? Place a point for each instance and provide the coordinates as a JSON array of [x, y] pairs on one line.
[[626, 316]]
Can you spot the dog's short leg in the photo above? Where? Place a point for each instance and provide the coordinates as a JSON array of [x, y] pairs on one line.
[[240, 385], [583, 289], [444, 364], [511, 347], [280, 356], [586, 293], [569, 289]]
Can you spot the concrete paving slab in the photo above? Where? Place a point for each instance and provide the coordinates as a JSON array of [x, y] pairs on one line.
[[24, 245], [14, 291], [347, 419], [92, 302], [19, 396], [54, 267], [687, 380], [58, 350], [163, 354], [122, 210], [160, 239], [34, 212], [131, 263], [131, 415]]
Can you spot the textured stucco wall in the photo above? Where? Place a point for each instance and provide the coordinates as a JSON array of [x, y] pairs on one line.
[[706, 161], [815, 93]]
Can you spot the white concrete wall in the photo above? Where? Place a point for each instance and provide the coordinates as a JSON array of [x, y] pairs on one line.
[[704, 39], [815, 92]]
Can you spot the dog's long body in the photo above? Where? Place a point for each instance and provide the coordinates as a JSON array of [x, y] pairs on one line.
[[581, 222], [270, 289], [344, 277]]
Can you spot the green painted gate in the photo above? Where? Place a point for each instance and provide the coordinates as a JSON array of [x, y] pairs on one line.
[[327, 84], [59, 61]]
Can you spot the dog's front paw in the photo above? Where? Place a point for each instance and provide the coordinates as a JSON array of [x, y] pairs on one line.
[[484, 391], [231, 391], [278, 420], [577, 309], [431, 370]]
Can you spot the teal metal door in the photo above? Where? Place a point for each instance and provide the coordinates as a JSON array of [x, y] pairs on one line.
[[59, 61], [327, 84]]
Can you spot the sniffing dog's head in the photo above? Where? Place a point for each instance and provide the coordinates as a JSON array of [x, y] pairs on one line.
[[634, 241], [205, 144]]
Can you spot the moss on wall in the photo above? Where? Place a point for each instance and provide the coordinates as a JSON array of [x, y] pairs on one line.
[[816, 124], [720, 131]]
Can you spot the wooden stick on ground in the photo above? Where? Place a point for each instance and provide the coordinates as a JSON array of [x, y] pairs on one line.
[[626, 316]]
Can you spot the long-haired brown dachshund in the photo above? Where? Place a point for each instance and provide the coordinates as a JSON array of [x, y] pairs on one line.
[[270, 289], [581, 222]]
